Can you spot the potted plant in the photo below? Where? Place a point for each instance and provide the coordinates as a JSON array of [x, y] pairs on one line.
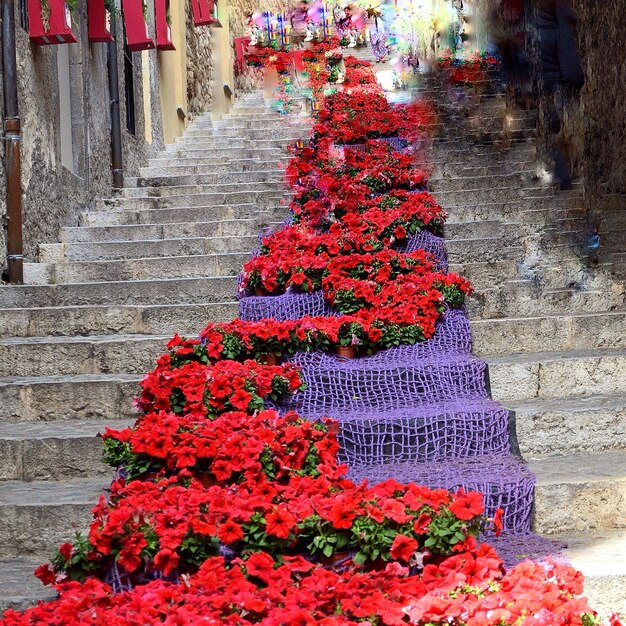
[[136, 22], [50, 21], [163, 20]]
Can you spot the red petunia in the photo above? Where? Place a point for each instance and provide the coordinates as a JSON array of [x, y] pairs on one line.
[[403, 547], [467, 505], [230, 532], [280, 523]]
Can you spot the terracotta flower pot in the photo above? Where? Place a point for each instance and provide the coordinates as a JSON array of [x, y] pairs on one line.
[[261, 291], [269, 359], [346, 352], [339, 561], [207, 480]]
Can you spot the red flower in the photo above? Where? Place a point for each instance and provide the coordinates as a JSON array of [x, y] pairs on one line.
[[280, 523], [422, 523], [497, 521], [403, 547], [260, 565], [467, 505], [66, 551], [240, 399], [230, 532], [45, 574]]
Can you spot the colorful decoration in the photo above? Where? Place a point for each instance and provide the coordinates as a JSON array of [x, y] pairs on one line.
[[99, 21], [135, 21], [162, 27], [50, 22]]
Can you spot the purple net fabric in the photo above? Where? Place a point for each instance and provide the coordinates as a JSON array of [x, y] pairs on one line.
[[514, 549], [505, 481], [288, 306], [389, 380], [434, 432], [120, 580], [425, 240]]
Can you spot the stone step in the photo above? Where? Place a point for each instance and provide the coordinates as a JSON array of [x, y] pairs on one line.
[[269, 128], [440, 170], [212, 178], [19, 589], [514, 233], [77, 356], [230, 143], [250, 188], [602, 560], [524, 298], [145, 268], [149, 249], [264, 198], [36, 517], [500, 194], [571, 425], [485, 274], [581, 493], [121, 215], [54, 451], [539, 212], [192, 290], [214, 166], [549, 274], [561, 332], [482, 183], [184, 318], [144, 232], [483, 249], [548, 375], [219, 155], [86, 396]]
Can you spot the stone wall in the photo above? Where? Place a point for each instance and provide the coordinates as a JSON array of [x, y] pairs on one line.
[[594, 120], [56, 189], [602, 115], [199, 63]]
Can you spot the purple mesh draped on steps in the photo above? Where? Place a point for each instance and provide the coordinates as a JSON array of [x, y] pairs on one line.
[[505, 481], [421, 413], [394, 379], [288, 306], [425, 240], [434, 432], [514, 549]]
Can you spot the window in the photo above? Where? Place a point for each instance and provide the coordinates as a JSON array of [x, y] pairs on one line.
[[23, 14]]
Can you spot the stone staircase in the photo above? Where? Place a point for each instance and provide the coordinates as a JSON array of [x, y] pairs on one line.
[[551, 323], [162, 257]]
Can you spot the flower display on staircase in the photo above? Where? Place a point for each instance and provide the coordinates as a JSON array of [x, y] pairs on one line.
[[230, 508]]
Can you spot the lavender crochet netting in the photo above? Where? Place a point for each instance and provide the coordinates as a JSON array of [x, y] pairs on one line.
[[417, 413]]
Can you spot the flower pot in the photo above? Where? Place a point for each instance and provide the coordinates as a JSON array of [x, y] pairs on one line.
[[99, 21], [137, 35], [207, 480], [269, 359], [346, 352], [338, 561], [261, 291], [51, 24]]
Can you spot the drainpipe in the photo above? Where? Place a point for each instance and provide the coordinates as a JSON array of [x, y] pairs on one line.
[[114, 94], [12, 141]]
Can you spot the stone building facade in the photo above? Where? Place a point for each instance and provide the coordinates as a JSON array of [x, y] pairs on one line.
[[64, 105]]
